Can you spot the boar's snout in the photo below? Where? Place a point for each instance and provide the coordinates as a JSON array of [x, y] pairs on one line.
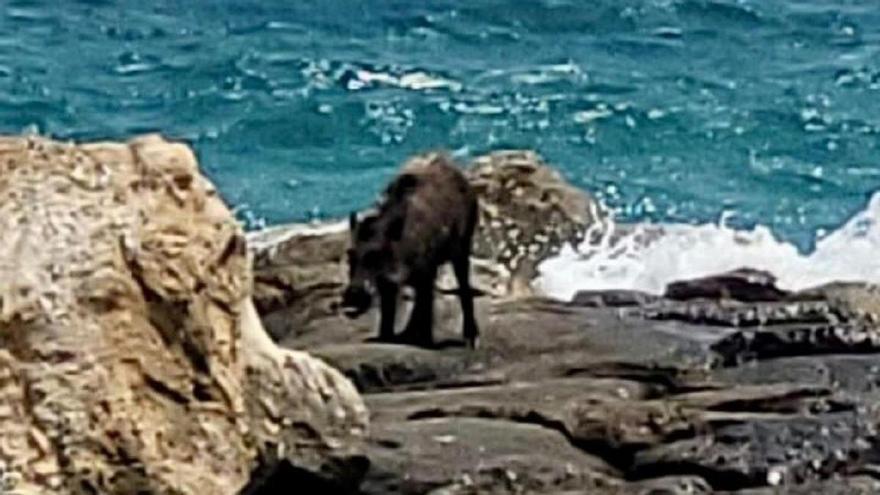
[[356, 301]]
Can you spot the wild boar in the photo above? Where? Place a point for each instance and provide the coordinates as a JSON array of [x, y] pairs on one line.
[[426, 218]]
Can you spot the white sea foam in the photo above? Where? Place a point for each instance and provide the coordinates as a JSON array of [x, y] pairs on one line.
[[647, 257], [416, 81]]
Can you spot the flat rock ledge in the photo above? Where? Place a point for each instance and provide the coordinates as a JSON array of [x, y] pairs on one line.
[[724, 384]]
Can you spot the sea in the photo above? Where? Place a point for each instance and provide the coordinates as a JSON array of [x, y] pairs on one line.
[[718, 133]]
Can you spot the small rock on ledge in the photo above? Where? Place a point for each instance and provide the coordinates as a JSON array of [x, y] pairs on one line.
[[743, 284]]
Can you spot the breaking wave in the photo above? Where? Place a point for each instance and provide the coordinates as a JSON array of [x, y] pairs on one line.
[[647, 257]]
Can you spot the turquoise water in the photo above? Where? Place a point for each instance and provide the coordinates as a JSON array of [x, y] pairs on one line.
[[763, 112]]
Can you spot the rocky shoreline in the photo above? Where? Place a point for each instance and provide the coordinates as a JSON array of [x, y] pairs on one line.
[[704, 390], [722, 384], [136, 354]]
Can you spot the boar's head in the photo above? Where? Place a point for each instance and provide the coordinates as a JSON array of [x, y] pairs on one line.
[[372, 259]]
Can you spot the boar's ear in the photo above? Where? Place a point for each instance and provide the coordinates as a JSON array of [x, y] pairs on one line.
[[408, 182], [352, 222], [403, 186], [395, 228]]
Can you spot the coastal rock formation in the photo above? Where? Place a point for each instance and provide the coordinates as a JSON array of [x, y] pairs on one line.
[[299, 276], [743, 284], [620, 392], [849, 299], [724, 384], [527, 213], [131, 357], [728, 385]]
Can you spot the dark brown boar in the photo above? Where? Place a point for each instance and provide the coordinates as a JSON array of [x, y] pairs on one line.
[[426, 218]]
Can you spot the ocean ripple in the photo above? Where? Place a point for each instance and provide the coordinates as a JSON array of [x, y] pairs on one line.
[[672, 111]]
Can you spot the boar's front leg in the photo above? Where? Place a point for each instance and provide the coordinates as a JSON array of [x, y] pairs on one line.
[[388, 311]]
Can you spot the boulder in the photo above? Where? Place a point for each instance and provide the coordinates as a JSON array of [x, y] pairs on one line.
[[612, 298], [131, 357], [528, 212], [743, 284]]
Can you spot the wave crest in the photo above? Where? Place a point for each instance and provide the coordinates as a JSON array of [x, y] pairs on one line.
[[647, 257]]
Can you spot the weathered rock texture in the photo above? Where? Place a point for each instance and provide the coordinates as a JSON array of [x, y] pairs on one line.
[[131, 359], [527, 214], [725, 385]]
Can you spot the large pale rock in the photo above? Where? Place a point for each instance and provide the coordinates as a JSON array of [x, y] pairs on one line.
[[131, 358], [528, 212]]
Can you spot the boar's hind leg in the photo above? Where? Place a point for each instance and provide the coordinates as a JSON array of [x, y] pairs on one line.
[[462, 266], [388, 296], [419, 329]]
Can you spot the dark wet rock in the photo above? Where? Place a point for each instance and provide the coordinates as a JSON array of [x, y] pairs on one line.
[[750, 450], [567, 410], [670, 485], [736, 314], [384, 367], [612, 298], [782, 398], [797, 340], [854, 373], [449, 455], [539, 338], [299, 276], [744, 284], [572, 407], [837, 485]]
